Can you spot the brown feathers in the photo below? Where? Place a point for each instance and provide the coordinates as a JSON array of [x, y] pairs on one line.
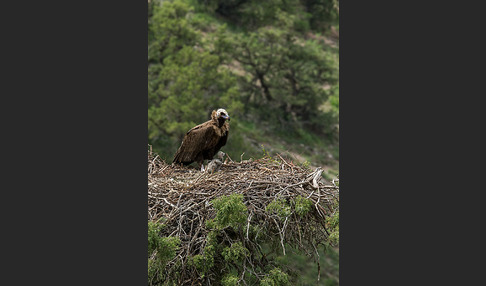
[[203, 141]]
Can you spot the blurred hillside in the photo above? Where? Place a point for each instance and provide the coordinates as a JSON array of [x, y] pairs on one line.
[[273, 65]]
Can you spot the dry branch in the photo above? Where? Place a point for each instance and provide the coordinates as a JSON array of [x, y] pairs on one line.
[[181, 197]]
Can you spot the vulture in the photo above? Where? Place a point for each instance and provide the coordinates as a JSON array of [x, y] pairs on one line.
[[215, 164], [203, 141]]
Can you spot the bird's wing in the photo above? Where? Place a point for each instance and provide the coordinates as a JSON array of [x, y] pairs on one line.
[[199, 138]]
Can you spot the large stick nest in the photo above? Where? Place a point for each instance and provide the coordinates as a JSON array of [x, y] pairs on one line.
[[181, 197]]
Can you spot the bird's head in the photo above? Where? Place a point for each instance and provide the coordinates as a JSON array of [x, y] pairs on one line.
[[221, 113], [220, 155]]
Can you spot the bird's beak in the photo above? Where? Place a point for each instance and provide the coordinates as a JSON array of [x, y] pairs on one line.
[[226, 117]]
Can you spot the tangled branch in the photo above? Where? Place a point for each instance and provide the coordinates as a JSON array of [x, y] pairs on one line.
[[182, 198]]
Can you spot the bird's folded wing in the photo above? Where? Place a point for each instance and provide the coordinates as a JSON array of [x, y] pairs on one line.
[[201, 137]]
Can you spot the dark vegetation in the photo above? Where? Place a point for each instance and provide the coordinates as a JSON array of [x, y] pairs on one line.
[[274, 66]]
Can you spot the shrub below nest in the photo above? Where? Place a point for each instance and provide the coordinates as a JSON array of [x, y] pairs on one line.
[[222, 228]]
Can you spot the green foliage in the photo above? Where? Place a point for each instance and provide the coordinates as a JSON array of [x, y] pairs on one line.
[[192, 77], [160, 250], [276, 278], [334, 100], [252, 14], [265, 152], [306, 164], [242, 55], [231, 212], [323, 13], [186, 81], [153, 236], [236, 252], [280, 207], [304, 271], [302, 205], [332, 222], [230, 280], [169, 29], [205, 262], [164, 246], [284, 73]]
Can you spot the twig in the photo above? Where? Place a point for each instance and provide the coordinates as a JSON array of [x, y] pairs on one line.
[[181, 198]]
